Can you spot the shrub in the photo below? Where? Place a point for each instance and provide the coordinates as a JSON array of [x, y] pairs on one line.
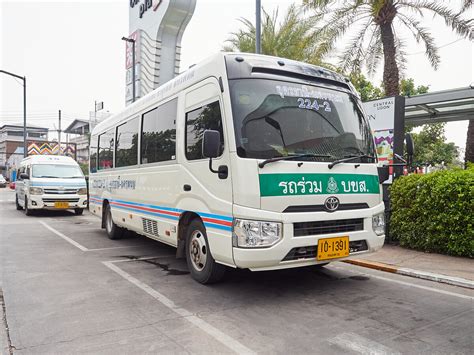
[[435, 212]]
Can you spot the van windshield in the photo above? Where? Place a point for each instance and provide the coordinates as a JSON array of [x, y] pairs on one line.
[[58, 171], [275, 118]]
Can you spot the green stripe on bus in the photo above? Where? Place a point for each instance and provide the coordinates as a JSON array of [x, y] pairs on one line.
[[317, 184]]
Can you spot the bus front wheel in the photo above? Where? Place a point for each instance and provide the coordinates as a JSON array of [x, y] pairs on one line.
[[113, 231], [201, 264]]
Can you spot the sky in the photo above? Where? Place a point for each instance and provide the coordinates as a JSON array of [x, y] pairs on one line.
[[72, 54]]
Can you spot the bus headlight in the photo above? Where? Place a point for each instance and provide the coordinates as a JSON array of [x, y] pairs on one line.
[[378, 223], [255, 234], [36, 190], [82, 191]]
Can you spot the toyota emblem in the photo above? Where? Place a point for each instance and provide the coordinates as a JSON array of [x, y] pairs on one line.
[[331, 204]]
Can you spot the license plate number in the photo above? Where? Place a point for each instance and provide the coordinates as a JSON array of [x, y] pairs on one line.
[[333, 248], [61, 204]]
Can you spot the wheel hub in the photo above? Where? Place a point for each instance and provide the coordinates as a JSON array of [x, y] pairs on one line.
[[198, 250]]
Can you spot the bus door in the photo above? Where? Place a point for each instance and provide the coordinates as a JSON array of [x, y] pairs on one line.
[[203, 190]]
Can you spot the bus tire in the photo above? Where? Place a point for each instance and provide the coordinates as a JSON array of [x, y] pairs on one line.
[[18, 207], [201, 264], [78, 211], [28, 212], [113, 231]]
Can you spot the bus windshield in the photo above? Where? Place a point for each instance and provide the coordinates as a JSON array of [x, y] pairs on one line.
[[60, 171], [275, 118]]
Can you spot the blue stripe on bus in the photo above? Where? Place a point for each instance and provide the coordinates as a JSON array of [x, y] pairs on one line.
[[170, 209]]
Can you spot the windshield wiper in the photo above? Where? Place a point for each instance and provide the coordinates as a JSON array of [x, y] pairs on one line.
[[72, 177], [291, 157], [353, 157], [47, 176]]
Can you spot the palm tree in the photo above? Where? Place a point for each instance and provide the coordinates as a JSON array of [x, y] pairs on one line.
[[296, 37], [375, 24]]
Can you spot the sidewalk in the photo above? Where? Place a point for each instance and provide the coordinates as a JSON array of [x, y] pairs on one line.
[[436, 267]]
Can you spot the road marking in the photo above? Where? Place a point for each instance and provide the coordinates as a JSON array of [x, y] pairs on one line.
[[141, 259], [82, 247], [409, 284], [67, 239], [122, 247], [218, 335], [361, 345]]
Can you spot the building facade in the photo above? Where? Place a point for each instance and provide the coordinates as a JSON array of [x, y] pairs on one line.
[[11, 138]]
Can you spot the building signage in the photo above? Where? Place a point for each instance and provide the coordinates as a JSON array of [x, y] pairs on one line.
[[157, 26], [381, 115], [145, 5]]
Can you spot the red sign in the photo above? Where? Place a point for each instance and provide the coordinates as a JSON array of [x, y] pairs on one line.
[[129, 50]]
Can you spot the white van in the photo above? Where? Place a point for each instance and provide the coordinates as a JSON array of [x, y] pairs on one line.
[[50, 182], [243, 161]]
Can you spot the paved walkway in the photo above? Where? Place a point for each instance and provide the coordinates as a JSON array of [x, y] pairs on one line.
[[428, 262]]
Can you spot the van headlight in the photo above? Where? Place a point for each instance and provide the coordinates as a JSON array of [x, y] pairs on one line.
[[36, 191], [255, 234], [82, 191], [378, 223]]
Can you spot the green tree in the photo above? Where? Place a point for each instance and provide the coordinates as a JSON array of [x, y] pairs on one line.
[[431, 147], [296, 37], [374, 22]]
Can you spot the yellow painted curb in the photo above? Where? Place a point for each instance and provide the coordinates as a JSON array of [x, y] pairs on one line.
[[372, 265]]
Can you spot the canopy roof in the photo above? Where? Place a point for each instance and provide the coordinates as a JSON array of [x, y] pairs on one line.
[[440, 106]]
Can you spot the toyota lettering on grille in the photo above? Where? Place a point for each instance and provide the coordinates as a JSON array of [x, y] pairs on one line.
[[331, 204]]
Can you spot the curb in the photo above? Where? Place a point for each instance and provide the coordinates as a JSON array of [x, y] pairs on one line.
[[450, 280]]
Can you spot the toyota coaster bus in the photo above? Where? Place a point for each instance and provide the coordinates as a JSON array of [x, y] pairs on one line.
[[243, 161]]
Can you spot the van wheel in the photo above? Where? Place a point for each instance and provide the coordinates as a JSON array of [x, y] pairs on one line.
[[201, 264], [78, 211], [28, 212], [18, 207], [113, 231]]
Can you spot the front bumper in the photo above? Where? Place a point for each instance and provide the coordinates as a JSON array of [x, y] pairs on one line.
[[47, 201], [281, 256]]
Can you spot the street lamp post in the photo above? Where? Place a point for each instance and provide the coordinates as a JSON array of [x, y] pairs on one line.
[[25, 152], [132, 41]]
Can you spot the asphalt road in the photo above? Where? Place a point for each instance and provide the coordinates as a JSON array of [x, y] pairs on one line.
[[67, 288]]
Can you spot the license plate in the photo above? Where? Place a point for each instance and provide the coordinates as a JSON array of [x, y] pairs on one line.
[[58, 204], [333, 248]]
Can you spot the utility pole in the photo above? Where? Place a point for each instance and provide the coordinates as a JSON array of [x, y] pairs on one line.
[[258, 29], [25, 146], [59, 133]]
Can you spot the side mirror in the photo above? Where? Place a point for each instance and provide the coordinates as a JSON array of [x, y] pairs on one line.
[[211, 144], [409, 144], [384, 173], [24, 176]]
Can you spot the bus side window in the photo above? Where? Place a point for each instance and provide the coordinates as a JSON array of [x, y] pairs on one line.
[[126, 146], [197, 121], [93, 154], [158, 141], [106, 150]]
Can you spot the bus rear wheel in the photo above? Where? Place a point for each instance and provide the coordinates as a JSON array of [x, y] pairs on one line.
[[201, 264], [113, 231]]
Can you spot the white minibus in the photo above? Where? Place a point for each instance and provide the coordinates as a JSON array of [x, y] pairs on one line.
[[242, 161], [50, 182]]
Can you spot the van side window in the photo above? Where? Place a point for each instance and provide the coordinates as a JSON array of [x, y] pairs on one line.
[[197, 121], [93, 154], [106, 150], [158, 141], [126, 147]]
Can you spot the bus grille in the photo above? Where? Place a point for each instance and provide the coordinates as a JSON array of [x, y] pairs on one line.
[[150, 226], [60, 199], [327, 227]]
